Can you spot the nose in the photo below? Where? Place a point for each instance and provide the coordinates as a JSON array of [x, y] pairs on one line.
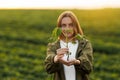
[[67, 26]]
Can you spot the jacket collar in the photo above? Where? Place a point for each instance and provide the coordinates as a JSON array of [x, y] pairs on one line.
[[81, 44]]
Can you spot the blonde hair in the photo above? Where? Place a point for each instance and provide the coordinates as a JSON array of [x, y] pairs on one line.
[[71, 15]]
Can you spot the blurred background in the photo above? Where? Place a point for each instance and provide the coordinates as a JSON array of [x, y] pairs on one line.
[[26, 26]]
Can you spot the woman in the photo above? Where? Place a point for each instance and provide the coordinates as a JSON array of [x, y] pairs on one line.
[[65, 66]]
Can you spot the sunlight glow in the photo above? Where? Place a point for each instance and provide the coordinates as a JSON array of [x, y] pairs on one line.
[[74, 4]]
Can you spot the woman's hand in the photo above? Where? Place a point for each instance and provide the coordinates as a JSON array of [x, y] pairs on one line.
[[59, 57], [74, 62], [60, 54], [70, 62]]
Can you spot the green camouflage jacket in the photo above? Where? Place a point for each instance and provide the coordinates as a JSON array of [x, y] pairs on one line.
[[84, 54]]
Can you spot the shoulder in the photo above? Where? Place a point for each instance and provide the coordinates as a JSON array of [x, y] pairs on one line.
[[84, 42], [53, 44]]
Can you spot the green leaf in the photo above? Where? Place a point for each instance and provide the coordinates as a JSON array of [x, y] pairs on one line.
[[55, 34], [80, 37], [58, 32], [68, 31]]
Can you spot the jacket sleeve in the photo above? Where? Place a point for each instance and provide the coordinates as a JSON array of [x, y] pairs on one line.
[[50, 66], [86, 59]]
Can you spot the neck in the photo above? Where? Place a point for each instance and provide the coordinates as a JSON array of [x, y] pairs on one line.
[[69, 39]]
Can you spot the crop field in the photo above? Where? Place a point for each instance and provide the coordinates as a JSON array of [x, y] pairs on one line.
[[24, 37]]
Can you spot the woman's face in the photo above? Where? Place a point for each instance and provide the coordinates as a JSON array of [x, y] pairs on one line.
[[67, 27]]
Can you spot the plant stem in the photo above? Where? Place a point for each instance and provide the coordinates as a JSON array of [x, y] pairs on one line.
[[67, 47]]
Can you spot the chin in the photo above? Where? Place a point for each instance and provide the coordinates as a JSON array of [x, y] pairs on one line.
[[70, 36]]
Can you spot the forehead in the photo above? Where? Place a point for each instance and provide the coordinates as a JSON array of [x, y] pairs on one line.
[[66, 20]]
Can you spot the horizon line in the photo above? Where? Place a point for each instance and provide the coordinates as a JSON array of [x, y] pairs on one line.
[[68, 8]]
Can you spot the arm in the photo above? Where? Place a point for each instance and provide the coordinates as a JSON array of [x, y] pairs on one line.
[[50, 65], [85, 59]]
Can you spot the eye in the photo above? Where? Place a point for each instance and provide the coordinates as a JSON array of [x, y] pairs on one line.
[[71, 24], [63, 25]]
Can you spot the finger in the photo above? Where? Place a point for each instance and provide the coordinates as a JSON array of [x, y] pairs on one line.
[[66, 49], [60, 56], [64, 62], [72, 62], [62, 49], [61, 52]]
